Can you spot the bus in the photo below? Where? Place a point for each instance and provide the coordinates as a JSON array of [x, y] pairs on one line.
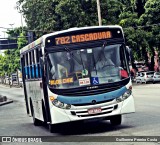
[[77, 74]]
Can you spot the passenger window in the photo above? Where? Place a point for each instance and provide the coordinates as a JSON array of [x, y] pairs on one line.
[[30, 66], [38, 68], [36, 60], [33, 64], [26, 65], [23, 65], [27, 60]]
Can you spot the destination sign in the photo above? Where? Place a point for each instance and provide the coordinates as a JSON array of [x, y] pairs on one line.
[[83, 37], [61, 81]]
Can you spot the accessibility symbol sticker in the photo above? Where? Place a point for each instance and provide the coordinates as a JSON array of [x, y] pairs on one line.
[[94, 80]]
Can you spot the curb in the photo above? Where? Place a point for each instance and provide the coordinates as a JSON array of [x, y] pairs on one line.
[[7, 86], [6, 102]]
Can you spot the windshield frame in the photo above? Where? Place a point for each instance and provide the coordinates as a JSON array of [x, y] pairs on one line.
[[77, 47]]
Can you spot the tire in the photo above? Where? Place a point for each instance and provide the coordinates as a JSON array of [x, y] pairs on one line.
[[116, 120], [36, 122], [51, 128], [44, 114]]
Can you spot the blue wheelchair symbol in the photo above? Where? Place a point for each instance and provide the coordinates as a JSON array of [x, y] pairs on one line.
[[95, 80]]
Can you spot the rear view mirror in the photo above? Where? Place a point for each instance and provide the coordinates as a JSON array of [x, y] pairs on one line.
[[128, 50], [42, 62]]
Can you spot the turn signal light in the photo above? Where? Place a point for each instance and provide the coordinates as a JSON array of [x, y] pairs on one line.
[[130, 87], [51, 98]]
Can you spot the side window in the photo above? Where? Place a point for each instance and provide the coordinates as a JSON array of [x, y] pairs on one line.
[[27, 65], [23, 65], [38, 71], [122, 56], [36, 63], [33, 64], [30, 65]]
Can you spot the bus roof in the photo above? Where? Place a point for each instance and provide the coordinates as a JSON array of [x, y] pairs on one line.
[[41, 40]]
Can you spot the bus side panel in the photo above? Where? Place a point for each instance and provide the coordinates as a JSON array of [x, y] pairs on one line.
[[35, 93], [24, 86]]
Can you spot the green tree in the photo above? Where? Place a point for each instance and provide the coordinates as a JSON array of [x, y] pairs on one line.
[[39, 15], [56, 15], [136, 36], [46, 16], [139, 7], [10, 62], [110, 11], [152, 17]]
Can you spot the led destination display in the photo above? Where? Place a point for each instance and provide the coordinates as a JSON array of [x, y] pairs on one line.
[[83, 37]]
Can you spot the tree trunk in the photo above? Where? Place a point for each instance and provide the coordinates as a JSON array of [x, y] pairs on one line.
[[145, 56], [152, 59]]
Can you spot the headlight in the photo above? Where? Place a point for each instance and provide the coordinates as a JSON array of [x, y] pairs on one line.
[[61, 104], [55, 102], [68, 106], [124, 96], [119, 99]]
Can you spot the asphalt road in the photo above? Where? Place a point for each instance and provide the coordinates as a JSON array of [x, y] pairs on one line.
[[145, 122]]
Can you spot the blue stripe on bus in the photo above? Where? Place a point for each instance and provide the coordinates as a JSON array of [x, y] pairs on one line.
[[89, 99], [40, 72], [33, 71], [26, 72], [37, 71], [29, 70]]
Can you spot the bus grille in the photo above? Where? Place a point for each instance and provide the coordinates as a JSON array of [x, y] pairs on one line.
[[90, 115], [105, 110], [92, 91]]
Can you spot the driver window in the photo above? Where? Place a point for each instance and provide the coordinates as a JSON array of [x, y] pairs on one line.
[[108, 54], [104, 57]]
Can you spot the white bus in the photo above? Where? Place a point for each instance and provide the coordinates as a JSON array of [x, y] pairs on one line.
[[77, 74]]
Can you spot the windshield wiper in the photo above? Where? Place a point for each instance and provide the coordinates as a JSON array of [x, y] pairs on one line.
[[103, 46], [72, 55]]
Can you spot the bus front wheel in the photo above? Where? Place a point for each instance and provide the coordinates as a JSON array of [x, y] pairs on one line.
[[116, 120], [51, 128]]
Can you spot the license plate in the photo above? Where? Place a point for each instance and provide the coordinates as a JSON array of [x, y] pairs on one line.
[[94, 111]]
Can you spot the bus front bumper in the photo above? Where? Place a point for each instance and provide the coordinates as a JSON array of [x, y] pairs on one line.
[[82, 112]]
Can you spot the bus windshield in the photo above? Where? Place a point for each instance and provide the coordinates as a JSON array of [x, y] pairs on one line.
[[87, 67]]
